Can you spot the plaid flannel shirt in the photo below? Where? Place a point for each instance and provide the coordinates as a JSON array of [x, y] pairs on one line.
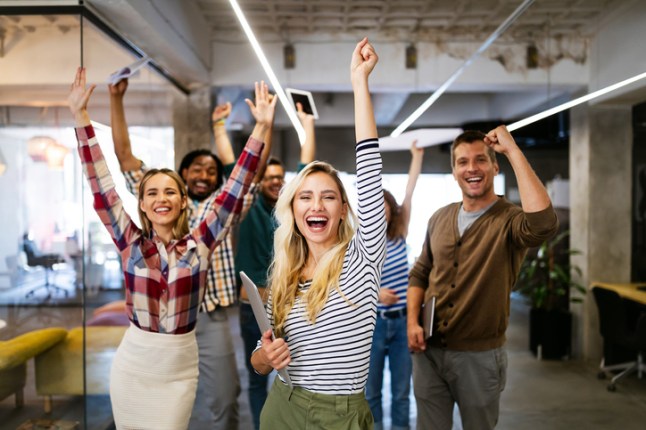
[[221, 288], [165, 285]]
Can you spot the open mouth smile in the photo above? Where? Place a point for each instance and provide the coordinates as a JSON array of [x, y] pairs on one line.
[[316, 223]]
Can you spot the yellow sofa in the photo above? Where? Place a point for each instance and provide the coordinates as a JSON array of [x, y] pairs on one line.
[[59, 371], [15, 353]]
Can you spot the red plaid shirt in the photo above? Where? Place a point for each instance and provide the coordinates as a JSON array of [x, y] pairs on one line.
[[164, 284]]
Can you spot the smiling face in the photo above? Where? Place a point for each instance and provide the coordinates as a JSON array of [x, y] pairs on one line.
[[201, 177], [162, 202], [318, 208], [272, 182], [474, 170]]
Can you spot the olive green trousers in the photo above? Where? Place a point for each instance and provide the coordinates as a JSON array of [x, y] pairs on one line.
[[299, 409]]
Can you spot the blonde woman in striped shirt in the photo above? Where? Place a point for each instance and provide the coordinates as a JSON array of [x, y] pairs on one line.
[[154, 372], [324, 284]]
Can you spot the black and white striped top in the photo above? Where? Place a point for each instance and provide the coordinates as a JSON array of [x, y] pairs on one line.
[[332, 356]]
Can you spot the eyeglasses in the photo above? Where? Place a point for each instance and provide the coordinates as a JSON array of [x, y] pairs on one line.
[[279, 178]]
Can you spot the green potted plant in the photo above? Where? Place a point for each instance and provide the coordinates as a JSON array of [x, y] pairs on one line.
[[546, 279]]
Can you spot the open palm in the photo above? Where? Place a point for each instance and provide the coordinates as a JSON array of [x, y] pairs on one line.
[[79, 94]]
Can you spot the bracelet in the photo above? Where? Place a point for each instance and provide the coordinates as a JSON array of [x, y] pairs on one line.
[[219, 122]]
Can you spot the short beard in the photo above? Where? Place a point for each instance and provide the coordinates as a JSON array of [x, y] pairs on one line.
[[484, 192], [198, 197]]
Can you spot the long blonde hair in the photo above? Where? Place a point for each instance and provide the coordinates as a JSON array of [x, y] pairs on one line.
[[180, 229], [291, 253]]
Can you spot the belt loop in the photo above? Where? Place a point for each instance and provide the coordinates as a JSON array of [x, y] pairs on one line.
[[291, 391], [342, 404]]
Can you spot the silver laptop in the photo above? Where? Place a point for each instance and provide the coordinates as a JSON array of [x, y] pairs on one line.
[[260, 313]]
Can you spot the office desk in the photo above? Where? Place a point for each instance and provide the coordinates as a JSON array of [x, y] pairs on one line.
[[627, 291]]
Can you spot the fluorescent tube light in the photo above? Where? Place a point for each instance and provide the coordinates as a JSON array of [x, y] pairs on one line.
[[291, 113], [436, 95], [575, 102], [424, 136]]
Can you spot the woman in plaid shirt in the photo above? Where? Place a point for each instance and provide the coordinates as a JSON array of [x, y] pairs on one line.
[[154, 372]]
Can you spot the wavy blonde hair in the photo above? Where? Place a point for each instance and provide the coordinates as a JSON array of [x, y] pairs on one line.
[[180, 229], [291, 253]]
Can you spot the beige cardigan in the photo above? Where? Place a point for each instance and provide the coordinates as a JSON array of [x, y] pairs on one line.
[[472, 276]]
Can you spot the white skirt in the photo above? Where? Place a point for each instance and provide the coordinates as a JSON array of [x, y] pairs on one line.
[[153, 380]]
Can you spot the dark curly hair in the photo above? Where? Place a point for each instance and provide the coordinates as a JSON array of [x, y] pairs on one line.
[[191, 156]]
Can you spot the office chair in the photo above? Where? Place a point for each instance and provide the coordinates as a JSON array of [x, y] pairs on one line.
[[618, 331], [35, 258]]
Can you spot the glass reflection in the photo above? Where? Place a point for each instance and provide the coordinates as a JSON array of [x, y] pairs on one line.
[[60, 275]]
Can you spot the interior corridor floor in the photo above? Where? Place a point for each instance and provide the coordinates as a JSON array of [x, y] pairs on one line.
[[540, 394]]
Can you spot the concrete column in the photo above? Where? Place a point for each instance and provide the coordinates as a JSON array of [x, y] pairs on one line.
[[600, 216], [192, 122]]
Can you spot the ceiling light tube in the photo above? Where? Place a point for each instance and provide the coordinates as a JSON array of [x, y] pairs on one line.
[[291, 112], [575, 102], [436, 95]]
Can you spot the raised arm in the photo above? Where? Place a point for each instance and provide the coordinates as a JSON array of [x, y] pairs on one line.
[[269, 138], [120, 137], [364, 59], [79, 97], [308, 149], [106, 201], [223, 147], [417, 156], [533, 195], [229, 203], [371, 234]]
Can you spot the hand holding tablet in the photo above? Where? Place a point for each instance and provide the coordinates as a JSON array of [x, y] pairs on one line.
[[305, 99]]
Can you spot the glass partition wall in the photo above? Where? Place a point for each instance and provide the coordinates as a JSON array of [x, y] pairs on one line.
[[60, 274]]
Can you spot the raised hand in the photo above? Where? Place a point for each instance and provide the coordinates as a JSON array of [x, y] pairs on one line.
[[303, 116], [118, 89], [264, 106], [79, 97], [364, 59], [415, 151], [500, 140], [221, 112]]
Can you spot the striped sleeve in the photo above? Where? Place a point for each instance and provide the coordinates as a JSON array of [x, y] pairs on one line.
[[107, 202], [229, 203], [371, 234]]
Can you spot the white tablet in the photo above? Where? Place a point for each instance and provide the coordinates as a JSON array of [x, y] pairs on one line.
[[305, 98], [260, 313]]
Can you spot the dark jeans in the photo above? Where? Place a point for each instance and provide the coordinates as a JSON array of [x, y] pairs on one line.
[[257, 383]]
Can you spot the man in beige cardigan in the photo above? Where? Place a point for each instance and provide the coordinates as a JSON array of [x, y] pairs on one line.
[[469, 262]]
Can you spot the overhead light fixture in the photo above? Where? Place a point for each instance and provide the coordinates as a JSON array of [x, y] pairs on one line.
[[424, 136], [291, 112], [411, 56], [532, 57], [37, 147], [55, 155], [436, 95], [532, 119], [289, 56], [3, 164]]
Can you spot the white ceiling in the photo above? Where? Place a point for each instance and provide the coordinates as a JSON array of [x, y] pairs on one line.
[[196, 40], [409, 20]]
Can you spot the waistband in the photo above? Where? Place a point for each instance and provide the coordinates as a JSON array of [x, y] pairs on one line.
[[303, 398], [390, 314], [142, 337]]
